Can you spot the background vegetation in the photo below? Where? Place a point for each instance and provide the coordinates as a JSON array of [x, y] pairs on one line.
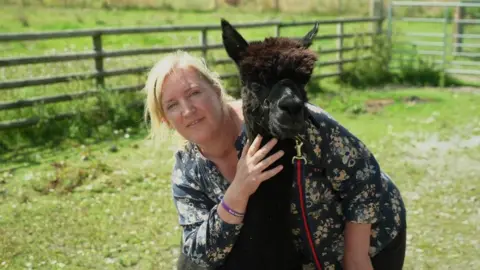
[[108, 205], [93, 193], [33, 16], [320, 7]]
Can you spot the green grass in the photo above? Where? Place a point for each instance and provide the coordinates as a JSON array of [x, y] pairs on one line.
[[37, 18], [108, 205], [52, 19], [34, 18], [101, 198], [289, 6]]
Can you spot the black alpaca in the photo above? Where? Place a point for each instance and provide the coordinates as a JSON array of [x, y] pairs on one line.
[[273, 73]]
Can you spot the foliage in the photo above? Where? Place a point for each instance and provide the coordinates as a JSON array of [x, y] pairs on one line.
[[107, 113], [371, 71], [95, 117], [90, 193], [329, 7], [108, 205], [386, 67], [419, 72], [473, 12], [103, 121]]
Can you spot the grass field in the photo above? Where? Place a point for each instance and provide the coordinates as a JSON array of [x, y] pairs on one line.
[[291, 6], [108, 205], [52, 19], [13, 19], [37, 18]]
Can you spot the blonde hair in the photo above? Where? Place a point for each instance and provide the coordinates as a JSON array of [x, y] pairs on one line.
[[156, 77]]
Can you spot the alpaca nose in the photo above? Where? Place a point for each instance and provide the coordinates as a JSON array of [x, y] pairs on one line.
[[292, 105]]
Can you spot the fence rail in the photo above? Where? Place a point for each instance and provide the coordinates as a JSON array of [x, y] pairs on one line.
[[168, 28], [450, 43], [127, 30], [433, 4], [99, 54]]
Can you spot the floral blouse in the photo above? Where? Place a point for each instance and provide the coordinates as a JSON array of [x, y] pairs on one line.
[[343, 182]]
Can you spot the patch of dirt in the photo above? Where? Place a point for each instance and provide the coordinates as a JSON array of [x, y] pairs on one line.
[[466, 89], [434, 143], [444, 161], [376, 105], [379, 102], [434, 152], [413, 100], [233, 2]]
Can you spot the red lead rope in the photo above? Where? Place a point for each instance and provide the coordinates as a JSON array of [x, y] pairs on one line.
[[304, 215]]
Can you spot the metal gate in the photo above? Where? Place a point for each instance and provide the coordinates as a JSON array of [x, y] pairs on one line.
[[449, 39]]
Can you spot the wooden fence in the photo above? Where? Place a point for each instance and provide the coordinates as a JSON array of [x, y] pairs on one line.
[[99, 54]]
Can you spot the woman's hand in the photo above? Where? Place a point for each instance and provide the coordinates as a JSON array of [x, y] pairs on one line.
[[250, 174], [252, 164]]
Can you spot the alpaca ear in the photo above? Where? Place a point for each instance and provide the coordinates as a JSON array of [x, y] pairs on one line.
[[233, 42], [308, 38]]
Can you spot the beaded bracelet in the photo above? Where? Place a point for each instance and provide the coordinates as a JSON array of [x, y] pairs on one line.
[[230, 210]]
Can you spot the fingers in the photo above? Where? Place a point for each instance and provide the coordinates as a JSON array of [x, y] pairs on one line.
[[255, 145], [260, 154], [262, 165], [251, 173], [245, 148], [268, 174]]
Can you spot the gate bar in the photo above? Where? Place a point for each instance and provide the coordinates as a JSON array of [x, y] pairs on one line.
[[436, 4]]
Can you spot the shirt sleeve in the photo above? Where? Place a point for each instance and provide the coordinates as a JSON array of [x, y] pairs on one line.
[[206, 238], [353, 171]]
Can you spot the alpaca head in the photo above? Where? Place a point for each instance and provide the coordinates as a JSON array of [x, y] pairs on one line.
[[274, 73]]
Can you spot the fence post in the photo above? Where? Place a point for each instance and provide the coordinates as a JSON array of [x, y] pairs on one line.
[[445, 42], [97, 47], [376, 10], [340, 46], [204, 41], [276, 4], [390, 21], [458, 29], [389, 37]]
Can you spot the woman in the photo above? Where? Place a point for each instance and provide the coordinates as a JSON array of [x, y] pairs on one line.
[[211, 184]]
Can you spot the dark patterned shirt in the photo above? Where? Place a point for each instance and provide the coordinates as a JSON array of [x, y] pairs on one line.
[[343, 182]]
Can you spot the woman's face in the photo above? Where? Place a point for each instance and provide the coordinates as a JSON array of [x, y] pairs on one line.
[[192, 105]]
